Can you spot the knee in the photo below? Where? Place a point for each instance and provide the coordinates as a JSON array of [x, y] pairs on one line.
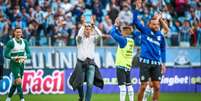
[[143, 86], [156, 87], [18, 81], [130, 88], [122, 88], [90, 84]]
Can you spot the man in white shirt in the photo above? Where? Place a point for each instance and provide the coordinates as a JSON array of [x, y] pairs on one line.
[[86, 69]]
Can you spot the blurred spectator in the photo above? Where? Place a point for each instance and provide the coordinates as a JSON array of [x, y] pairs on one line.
[[185, 33], [113, 10], [106, 26], [174, 27], [16, 12], [67, 7], [49, 24], [97, 10], [78, 10], [61, 32], [181, 6], [126, 15], [72, 34], [55, 22]]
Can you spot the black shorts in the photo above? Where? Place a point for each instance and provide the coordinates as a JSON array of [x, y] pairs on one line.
[[123, 77], [150, 71]]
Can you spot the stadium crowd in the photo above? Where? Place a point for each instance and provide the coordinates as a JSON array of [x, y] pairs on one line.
[[56, 22]]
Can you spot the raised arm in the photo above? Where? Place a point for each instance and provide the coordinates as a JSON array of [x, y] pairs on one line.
[[164, 25], [136, 21], [163, 50], [80, 35], [121, 40], [98, 32]]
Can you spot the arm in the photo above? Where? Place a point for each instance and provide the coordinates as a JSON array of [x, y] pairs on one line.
[[138, 24], [7, 51], [80, 35], [27, 49], [163, 55], [163, 50], [136, 34], [99, 33], [121, 40], [164, 25]]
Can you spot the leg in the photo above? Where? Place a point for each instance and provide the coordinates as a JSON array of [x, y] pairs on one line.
[[81, 93], [19, 83], [141, 90], [156, 86], [148, 91], [144, 76], [156, 78], [16, 74], [130, 92], [129, 86], [121, 78], [80, 90], [19, 87], [122, 92], [90, 81]]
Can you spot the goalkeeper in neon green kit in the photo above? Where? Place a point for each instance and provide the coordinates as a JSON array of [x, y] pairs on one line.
[[17, 50]]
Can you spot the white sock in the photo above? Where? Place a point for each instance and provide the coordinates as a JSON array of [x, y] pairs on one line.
[[130, 92], [22, 100], [147, 93], [8, 99], [122, 92]]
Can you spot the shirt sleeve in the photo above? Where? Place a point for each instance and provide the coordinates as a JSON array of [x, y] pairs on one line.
[[163, 50], [7, 51], [27, 49], [138, 24], [98, 33], [120, 39], [136, 34], [80, 35]]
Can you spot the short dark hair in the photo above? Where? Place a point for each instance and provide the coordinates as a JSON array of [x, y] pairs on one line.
[[15, 30]]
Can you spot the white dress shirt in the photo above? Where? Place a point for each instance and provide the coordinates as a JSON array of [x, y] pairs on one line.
[[86, 46]]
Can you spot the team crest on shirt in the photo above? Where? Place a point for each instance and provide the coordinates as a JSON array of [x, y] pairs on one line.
[[158, 38], [159, 78], [142, 78]]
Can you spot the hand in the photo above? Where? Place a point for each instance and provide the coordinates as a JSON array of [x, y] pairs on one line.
[[157, 16], [93, 19], [22, 60], [163, 68], [82, 20], [117, 22], [106, 36], [16, 58], [138, 4]]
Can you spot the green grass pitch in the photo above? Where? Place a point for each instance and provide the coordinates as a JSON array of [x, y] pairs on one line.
[[106, 97]]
